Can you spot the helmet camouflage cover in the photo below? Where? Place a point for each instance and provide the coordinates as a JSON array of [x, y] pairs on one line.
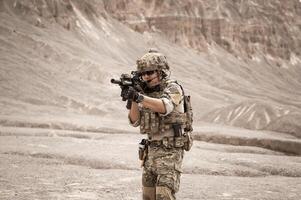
[[153, 60]]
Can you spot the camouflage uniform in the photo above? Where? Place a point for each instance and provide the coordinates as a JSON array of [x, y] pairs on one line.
[[163, 162]]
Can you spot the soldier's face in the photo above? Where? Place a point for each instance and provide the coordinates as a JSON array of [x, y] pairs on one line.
[[151, 78]]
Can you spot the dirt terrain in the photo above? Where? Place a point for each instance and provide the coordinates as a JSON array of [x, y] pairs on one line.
[[51, 164]]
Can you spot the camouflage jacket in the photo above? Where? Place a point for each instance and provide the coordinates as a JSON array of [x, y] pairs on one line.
[[157, 125]]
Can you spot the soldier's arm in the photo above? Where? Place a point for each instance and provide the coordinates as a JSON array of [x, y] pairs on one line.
[[171, 97], [134, 114], [154, 104]]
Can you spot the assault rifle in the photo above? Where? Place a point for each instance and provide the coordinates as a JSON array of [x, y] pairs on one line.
[[129, 80]]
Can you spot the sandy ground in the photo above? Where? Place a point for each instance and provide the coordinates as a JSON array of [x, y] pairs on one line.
[[51, 164]]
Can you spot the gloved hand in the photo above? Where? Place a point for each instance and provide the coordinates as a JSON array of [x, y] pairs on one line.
[[132, 94]]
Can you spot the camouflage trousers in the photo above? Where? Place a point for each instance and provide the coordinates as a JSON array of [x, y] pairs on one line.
[[162, 171]]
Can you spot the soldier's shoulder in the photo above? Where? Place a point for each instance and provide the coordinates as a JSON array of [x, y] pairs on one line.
[[169, 82], [173, 86], [173, 83]]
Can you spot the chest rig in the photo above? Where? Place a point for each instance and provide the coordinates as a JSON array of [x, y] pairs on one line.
[[152, 122]]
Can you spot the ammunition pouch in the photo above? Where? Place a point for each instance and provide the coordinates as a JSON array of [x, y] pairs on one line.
[[153, 123], [149, 122]]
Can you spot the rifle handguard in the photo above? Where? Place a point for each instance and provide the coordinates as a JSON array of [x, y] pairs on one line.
[[129, 104]]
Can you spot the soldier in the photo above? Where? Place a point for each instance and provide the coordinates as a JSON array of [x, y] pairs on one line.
[[159, 111]]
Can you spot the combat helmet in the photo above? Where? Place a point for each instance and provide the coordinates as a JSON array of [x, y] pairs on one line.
[[153, 60]]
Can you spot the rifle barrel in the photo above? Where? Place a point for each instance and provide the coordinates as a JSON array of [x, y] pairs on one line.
[[122, 82], [115, 81]]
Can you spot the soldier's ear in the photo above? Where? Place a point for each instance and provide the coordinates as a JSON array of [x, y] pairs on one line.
[[160, 75]]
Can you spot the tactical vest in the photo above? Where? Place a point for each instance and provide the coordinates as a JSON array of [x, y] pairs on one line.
[[153, 123]]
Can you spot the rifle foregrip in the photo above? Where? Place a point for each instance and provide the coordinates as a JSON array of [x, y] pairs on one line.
[[129, 104]]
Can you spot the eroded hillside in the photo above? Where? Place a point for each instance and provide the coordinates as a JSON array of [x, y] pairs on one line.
[[244, 28], [57, 58]]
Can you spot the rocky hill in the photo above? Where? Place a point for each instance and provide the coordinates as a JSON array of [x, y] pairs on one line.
[[57, 58], [243, 28]]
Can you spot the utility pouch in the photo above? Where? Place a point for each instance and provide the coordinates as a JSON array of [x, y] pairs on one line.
[[167, 142], [189, 114], [188, 141], [178, 142]]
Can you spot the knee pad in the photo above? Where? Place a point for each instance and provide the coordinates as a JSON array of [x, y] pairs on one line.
[[149, 193], [164, 193]]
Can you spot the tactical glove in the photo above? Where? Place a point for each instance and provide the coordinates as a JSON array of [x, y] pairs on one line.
[[132, 94], [129, 93]]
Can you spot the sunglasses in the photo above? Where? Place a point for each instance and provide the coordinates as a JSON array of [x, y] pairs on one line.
[[149, 73]]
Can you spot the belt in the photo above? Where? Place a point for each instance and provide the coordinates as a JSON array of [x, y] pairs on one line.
[[167, 142], [155, 143]]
